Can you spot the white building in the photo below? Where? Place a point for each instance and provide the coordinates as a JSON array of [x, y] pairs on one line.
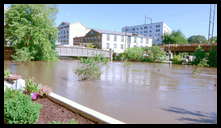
[[153, 30], [116, 41], [68, 31]]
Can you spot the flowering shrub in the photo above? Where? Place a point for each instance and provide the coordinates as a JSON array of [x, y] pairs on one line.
[[34, 96], [43, 91]]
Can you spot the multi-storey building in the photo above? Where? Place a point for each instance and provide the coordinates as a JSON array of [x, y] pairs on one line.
[[116, 41], [68, 31], [153, 30]]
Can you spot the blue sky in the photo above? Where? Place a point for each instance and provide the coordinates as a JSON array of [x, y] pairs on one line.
[[191, 19]]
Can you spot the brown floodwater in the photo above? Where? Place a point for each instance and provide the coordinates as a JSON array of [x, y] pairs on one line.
[[133, 92]]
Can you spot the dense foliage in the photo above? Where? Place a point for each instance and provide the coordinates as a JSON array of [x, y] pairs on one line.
[[90, 69], [212, 58], [6, 73], [177, 59], [199, 53], [176, 37], [146, 54], [31, 31], [90, 45], [203, 63], [155, 54], [134, 54], [22, 55], [197, 39], [213, 39], [19, 108], [31, 86]]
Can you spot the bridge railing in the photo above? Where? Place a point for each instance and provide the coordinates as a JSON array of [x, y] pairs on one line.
[[82, 52], [186, 47]]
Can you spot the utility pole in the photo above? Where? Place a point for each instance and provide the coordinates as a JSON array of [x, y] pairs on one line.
[[211, 22], [214, 11]]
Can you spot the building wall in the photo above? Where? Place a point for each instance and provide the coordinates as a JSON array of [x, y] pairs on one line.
[[154, 31], [119, 45], [77, 30], [63, 34], [69, 31]]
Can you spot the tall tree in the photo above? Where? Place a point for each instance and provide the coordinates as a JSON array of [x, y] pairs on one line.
[[176, 37], [197, 39], [31, 28], [213, 39]]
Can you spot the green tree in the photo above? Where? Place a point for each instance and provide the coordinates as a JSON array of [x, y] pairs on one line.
[[197, 39], [135, 53], [212, 58], [213, 39], [176, 37], [32, 26], [199, 53], [155, 53]]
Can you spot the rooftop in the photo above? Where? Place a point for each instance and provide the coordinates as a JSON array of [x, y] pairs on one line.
[[117, 33]]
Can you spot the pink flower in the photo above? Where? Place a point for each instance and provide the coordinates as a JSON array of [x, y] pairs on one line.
[[34, 96]]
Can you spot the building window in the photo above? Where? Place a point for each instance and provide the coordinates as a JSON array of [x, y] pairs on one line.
[[145, 27], [133, 29], [150, 31], [122, 38], [157, 30], [115, 37], [108, 45], [108, 37], [115, 45], [135, 40], [122, 46], [157, 26], [145, 31], [129, 39], [146, 41]]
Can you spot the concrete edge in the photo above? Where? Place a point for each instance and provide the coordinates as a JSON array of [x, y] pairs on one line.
[[83, 110]]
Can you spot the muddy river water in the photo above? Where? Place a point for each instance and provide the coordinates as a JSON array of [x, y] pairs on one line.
[[134, 92]]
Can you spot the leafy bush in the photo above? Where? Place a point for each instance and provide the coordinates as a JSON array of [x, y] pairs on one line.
[[90, 69], [99, 58], [19, 108], [203, 63], [199, 53], [31, 86], [22, 55], [212, 58], [94, 60], [88, 72], [177, 59], [44, 91], [6, 73], [90, 45], [134, 54], [155, 53]]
